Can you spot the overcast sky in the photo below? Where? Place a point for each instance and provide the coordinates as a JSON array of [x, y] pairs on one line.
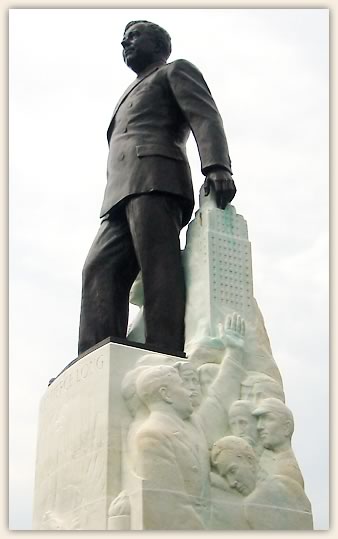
[[268, 72]]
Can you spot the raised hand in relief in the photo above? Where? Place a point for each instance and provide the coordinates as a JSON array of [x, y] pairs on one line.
[[232, 332]]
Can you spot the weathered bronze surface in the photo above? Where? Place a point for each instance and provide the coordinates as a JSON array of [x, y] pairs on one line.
[[149, 193]]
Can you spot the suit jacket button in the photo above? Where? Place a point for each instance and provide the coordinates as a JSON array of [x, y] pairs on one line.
[[130, 105], [121, 156]]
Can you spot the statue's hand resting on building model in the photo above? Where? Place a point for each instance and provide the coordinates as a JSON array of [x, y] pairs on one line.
[[223, 186]]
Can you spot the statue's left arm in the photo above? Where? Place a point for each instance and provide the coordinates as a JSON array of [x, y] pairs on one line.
[[199, 108]]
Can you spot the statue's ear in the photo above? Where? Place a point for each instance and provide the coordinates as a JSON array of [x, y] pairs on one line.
[[158, 46], [252, 462], [288, 428], [164, 392]]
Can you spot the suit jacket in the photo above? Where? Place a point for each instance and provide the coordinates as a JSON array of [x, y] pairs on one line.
[[148, 133], [171, 455]]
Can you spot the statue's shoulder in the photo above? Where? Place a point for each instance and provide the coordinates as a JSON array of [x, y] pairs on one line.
[[155, 438], [156, 426], [181, 65]]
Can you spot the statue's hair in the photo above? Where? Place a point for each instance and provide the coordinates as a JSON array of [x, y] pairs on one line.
[[278, 408], [181, 366], [149, 382], [128, 386], [234, 446], [273, 387], [246, 405], [162, 37], [253, 377]]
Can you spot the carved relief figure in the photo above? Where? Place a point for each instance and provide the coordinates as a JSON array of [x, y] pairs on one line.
[[270, 502], [176, 418], [235, 461], [221, 392], [243, 424], [191, 381], [171, 454], [128, 388], [212, 412], [275, 426], [136, 407]]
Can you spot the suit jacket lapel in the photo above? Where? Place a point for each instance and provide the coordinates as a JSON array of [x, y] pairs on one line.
[[133, 85]]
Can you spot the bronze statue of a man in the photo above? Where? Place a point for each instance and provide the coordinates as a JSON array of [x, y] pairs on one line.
[[149, 193]]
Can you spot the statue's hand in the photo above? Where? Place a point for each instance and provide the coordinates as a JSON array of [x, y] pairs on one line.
[[223, 185], [233, 331]]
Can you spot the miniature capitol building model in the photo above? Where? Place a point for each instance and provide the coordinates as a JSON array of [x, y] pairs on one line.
[[132, 439]]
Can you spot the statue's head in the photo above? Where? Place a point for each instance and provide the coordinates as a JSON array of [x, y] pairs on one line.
[[161, 388], [145, 43], [128, 386], [128, 390], [190, 377], [235, 460], [258, 386], [274, 424], [242, 423]]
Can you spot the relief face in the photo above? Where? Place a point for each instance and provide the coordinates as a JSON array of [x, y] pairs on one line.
[[274, 424], [236, 462], [241, 421]]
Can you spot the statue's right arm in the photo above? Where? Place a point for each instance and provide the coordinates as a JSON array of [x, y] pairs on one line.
[[225, 389]]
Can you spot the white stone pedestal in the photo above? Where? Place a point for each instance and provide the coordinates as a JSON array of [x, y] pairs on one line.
[[78, 463]]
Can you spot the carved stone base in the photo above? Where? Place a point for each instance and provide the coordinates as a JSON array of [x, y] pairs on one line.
[[79, 470], [105, 461]]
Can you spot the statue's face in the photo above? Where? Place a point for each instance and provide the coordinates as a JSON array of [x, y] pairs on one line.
[[180, 397], [191, 382], [139, 47], [238, 472], [272, 430], [243, 424]]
